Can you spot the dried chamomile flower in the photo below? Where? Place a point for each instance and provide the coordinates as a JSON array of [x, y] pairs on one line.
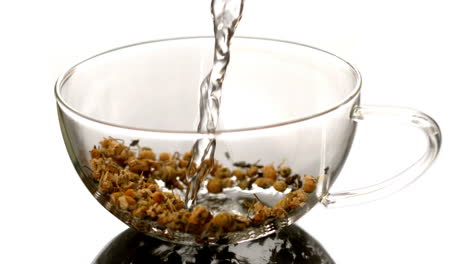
[[222, 219], [137, 165], [181, 173], [252, 171], [268, 167], [153, 187], [215, 168], [126, 202], [130, 192], [240, 174], [101, 166], [280, 186], [130, 183], [283, 204], [165, 156], [264, 182], [199, 215], [147, 153], [215, 185], [223, 173], [106, 184], [115, 149], [95, 153], [278, 213], [243, 184], [168, 174], [308, 178], [296, 198], [140, 211], [309, 186], [226, 182], [187, 156], [261, 213], [183, 163], [269, 173], [285, 171], [158, 197], [106, 142]]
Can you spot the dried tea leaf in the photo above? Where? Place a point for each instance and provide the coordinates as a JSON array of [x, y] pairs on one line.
[[134, 143]]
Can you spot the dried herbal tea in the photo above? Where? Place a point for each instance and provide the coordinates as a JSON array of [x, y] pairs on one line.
[[149, 186]]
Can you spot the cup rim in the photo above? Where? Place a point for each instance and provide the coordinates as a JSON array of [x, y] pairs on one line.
[[64, 77]]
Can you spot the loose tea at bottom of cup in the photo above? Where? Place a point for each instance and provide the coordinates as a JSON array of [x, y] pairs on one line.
[[136, 181]]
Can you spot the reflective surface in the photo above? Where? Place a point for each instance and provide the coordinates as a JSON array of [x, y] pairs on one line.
[[290, 245]]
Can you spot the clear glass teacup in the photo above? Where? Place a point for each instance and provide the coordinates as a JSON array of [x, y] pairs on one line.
[[287, 121]]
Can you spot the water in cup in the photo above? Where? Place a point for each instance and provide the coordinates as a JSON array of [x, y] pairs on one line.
[[226, 17]]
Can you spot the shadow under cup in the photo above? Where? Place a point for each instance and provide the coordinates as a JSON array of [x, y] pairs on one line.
[[282, 103]]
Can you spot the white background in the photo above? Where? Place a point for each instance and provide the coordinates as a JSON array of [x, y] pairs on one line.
[[410, 52]]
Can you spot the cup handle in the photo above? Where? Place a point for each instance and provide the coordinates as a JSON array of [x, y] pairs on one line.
[[408, 117]]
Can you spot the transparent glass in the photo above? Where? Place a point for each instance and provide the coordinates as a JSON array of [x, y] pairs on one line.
[[283, 103]]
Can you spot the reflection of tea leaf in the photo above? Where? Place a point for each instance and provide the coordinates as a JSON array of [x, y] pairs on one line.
[[282, 256], [174, 258], [225, 254], [299, 248], [204, 255]]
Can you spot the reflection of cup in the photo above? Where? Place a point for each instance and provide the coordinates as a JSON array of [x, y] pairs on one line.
[[283, 103], [290, 245]]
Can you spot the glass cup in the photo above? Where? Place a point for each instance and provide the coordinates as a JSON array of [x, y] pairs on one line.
[[286, 107]]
